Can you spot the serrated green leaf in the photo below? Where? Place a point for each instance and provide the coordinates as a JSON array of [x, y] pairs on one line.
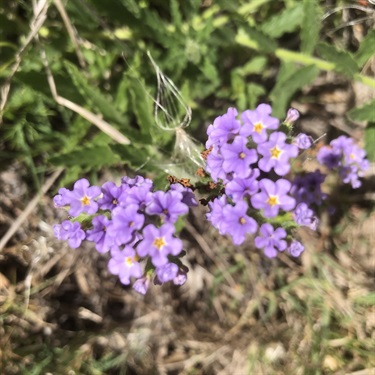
[[286, 86], [370, 141], [344, 61], [255, 39], [364, 113], [310, 26], [366, 49], [87, 157], [285, 22]]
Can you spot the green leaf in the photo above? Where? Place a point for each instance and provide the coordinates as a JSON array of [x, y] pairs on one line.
[[288, 82], [87, 157], [132, 7], [344, 61], [131, 155], [364, 113], [176, 14], [366, 49], [284, 22], [370, 141], [255, 39], [310, 26]]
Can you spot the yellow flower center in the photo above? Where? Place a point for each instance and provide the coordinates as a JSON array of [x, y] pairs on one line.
[[273, 200], [114, 201], [129, 261], [258, 127], [159, 242], [275, 152], [352, 156], [242, 221], [242, 155], [85, 200]]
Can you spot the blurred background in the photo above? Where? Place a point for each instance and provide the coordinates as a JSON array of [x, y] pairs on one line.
[[79, 81]]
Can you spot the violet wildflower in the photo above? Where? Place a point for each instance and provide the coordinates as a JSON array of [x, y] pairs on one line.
[[216, 216], [181, 277], [273, 196], [257, 122], [187, 195], [81, 198], [240, 188], [137, 181], [223, 129], [291, 116], [113, 195], [270, 240], [303, 141], [276, 154], [125, 221], [61, 199], [71, 232], [99, 235], [168, 205], [237, 223], [303, 215], [139, 195], [141, 285], [307, 188], [158, 243], [166, 273], [124, 263], [296, 248], [237, 157], [214, 165]]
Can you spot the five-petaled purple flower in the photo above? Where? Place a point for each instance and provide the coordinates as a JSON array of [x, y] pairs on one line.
[[124, 263], [158, 243], [273, 196], [257, 122], [71, 232], [99, 234], [271, 240], [81, 198], [276, 154]]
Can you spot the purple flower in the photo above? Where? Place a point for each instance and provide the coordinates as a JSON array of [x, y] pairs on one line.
[[158, 243], [141, 285], [270, 240], [181, 276], [257, 122], [168, 205], [291, 116], [296, 248], [237, 223], [71, 232], [303, 215], [99, 235], [273, 196], [81, 198], [237, 157], [187, 195], [61, 199], [216, 216], [113, 195], [125, 221], [240, 188], [125, 264], [137, 181], [303, 141], [276, 154], [347, 157], [214, 165], [139, 195], [223, 129], [307, 188], [166, 273]]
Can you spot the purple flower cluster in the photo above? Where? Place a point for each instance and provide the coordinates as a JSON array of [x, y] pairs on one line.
[[347, 158], [251, 158], [132, 222]]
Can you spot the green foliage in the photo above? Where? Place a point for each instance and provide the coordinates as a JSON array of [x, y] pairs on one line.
[[370, 141]]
